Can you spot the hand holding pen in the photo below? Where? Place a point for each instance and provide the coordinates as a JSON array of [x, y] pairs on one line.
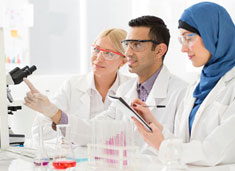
[[155, 137], [138, 106], [142, 109]]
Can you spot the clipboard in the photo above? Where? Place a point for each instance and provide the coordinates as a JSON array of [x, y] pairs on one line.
[[131, 110]]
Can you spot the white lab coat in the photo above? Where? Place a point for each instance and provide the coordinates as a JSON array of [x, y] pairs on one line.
[[168, 90], [212, 140], [74, 99]]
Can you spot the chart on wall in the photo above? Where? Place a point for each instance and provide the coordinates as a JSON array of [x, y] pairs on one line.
[[16, 24]]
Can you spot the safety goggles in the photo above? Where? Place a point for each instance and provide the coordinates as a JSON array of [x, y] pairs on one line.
[[137, 45], [188, 40], [107, 54]]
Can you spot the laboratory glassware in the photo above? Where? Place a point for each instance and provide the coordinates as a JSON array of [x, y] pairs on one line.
[[112, 144], [64, 157], [41, 158]]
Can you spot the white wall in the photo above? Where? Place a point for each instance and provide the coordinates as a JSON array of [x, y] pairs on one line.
[[54, 38], [56, 35], [170, 11], [60, 39], [60, 34]]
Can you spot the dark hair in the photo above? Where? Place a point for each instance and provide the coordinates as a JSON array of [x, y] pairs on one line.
[[158, 29]]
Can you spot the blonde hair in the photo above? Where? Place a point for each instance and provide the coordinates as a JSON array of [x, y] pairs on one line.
[[115, 35]]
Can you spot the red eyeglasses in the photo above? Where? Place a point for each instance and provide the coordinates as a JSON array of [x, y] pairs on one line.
[[107, 54]]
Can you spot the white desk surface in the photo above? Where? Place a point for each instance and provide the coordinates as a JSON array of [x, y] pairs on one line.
[[13, 162]]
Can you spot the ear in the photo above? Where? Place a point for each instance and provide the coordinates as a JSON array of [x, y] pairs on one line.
[[160, 50], [124, 60]]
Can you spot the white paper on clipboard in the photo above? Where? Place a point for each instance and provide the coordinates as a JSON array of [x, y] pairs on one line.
[[128, 109]]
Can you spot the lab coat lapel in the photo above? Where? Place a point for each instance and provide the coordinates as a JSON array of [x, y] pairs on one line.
[[159, 90], [85, 100], [208, 100], [184, 124], [132, 94], [85, 88]]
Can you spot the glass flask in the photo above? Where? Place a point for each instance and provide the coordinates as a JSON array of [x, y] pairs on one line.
[[41, 158], [64, 157]]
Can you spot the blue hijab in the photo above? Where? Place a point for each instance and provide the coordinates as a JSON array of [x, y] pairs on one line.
[[217, 31]]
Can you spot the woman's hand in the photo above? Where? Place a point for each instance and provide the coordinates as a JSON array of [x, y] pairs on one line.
[[153, 138], [38, 102], [145, 113]]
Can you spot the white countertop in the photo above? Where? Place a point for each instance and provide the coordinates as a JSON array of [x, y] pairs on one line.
[[13, 162]]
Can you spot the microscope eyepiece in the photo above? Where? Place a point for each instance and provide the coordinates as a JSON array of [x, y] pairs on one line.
[[18, 74], [29, 70]]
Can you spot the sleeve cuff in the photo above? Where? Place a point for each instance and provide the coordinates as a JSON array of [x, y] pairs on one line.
[[166, 133], [63, 120]]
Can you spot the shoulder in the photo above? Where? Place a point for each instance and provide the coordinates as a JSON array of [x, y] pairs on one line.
[[123, 77], [176, 81], [127, 85], [228, 82], [79, 81], [229, 77], [178, 87], [173, 80], [130, 81], [174, 86], [79, 78]]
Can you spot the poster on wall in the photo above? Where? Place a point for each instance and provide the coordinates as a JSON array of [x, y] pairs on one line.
[[16, 24]]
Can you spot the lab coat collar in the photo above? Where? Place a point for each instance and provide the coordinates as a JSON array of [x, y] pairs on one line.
[[207, 101], [112, 89], [158, 91], [89, 83], [160, 86], [85, 87], [188, 105], [229, 75], [86, 84], [212, 95], [132, 93]]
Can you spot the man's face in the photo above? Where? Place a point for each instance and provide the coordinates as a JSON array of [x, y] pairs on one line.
[[143, 62]]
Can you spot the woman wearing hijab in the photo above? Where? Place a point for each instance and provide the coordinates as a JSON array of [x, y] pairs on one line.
[[206, 122]]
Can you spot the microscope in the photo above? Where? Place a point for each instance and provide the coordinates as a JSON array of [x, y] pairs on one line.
[[15, 77]]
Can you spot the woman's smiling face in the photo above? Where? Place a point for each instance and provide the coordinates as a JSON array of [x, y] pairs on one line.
[[195, 48]]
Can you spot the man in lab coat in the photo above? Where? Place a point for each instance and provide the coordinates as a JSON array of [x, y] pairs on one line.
[[145, 48]]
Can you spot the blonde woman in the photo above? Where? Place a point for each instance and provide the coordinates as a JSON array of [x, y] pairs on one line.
[[83, 96]]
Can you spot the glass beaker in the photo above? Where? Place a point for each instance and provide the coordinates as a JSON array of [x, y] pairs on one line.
[[64, 157], [41, 158]]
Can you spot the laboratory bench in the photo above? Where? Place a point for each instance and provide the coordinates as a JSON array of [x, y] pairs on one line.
[[14, 162]]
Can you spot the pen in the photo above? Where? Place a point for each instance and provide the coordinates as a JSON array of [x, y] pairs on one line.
[[157, 106]]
